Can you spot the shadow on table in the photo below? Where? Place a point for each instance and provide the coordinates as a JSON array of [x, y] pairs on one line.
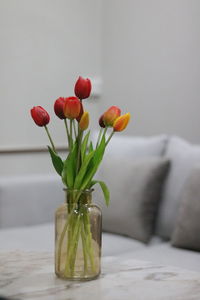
[[4, 298]]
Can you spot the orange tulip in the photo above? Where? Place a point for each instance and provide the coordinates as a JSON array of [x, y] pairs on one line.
[[121, 122], [84, 121], [111, 115], [72, 108], [81, 113]]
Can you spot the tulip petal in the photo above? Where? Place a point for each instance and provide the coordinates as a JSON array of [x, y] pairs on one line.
[[83, 88], [72, 108], [40, 116], [121, 123], [111, 115], [59, 107], [84, 121]]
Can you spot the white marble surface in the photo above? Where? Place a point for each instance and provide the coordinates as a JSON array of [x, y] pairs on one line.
[[30, 276]]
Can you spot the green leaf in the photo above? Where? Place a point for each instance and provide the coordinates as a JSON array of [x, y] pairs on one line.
[[91, 148], [94, 164], [69, 169], [83, 170], [104, 188], [84, 146], [99, 152], [56, 160]]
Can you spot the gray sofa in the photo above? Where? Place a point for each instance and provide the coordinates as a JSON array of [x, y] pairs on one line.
[[27, 204]]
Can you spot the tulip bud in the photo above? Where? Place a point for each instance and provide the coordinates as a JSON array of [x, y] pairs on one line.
[[121, 122], [111, 115], [59, 107], [82, 88], [84, 121], [101, 122], [72, 108], [81, 113], [40, 116]]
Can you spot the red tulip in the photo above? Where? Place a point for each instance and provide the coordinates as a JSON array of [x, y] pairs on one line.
[[101, 122], [82, 88], [111, 115], [72, 108], [121, 122], [40, 116], [59, 107]]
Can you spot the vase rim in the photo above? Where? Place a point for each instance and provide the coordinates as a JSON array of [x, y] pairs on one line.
[[78, 190]]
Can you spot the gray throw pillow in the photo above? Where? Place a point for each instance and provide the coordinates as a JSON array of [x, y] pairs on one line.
[[135, 187], [183, 157], [135, 146], [187, 231]]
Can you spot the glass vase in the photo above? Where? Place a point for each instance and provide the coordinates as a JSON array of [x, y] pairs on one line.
[[78, 231]]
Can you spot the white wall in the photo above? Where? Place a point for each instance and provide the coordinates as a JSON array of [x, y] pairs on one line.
[[151, 64], [45, 46], [147, 52]]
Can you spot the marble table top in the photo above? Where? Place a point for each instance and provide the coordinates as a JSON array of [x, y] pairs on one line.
[[30, 276]]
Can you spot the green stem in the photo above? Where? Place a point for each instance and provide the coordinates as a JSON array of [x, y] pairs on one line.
[[64, 231], [74, 126], [67, 131], [110, 137], [73, 243], [80, 136], [84, 246], [60, 243], [71, 139], [99, 136], [104, 133], [50, 139], [69, 239], [74, 250], [89, 239]]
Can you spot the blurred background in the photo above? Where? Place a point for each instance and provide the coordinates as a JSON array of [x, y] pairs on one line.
[[141, 55]]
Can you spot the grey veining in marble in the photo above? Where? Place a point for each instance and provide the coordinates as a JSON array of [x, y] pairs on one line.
[[30, 276]]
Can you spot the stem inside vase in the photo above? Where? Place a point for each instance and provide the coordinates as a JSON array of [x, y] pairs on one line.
[[78, 237]]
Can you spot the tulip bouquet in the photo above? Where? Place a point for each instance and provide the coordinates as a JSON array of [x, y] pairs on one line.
[[79, 168]]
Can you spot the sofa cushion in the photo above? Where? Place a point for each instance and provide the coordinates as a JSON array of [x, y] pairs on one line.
[[29, 200], [41, 238], [135, 187], [165, 254], [39, 195], [135, 147], [184, 157], [187, 230]]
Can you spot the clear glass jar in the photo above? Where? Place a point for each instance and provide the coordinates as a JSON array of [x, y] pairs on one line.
[[78, 231]]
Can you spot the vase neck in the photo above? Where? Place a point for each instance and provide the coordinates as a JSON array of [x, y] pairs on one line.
[[78, 197]]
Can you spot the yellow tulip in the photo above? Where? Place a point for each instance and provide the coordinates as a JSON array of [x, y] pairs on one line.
[[84, 121], [121, 122]]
